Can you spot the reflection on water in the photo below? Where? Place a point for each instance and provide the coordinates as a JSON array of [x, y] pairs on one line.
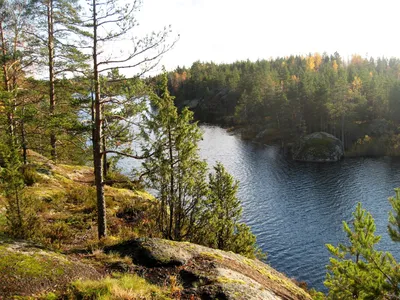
[[296, 208]]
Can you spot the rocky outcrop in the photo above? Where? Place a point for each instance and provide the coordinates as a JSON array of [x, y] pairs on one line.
[[318, 147], [27, 270], [208, 273]]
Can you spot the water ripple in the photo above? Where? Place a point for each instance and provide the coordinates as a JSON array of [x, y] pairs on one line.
[[296, 208]]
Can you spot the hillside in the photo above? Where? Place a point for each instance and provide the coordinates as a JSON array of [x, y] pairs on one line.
[[64, 258]]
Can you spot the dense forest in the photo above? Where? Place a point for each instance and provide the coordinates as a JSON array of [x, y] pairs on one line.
[[280, 99], [67, 114]]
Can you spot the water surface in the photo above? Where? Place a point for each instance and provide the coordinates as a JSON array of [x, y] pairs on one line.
[[296, 208]]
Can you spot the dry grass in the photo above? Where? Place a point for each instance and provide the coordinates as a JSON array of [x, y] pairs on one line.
[[126, 287]]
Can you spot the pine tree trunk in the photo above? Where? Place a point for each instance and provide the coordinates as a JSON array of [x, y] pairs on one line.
[[23, 137], [97, 141], [4, 59], [7, 87], [105, 162], [172, 200], [50, 46]]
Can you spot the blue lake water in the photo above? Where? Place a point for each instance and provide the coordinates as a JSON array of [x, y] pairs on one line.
[[296, 208]]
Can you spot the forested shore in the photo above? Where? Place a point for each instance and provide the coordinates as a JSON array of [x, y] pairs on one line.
[[280, 99]]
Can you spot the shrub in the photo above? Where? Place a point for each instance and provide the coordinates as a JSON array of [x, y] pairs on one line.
[[57, 233], [81, 194], [120, 181], [30, 175]]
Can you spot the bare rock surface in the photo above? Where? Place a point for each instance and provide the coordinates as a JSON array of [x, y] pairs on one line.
[[209, 273]]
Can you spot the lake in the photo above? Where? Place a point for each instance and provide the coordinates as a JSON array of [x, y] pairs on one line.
[[296, 208]]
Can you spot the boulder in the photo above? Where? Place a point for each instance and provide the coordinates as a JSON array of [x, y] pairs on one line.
[[318, 147], [207, 273]]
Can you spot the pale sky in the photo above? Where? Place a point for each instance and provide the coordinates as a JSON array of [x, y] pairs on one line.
[[230, 30]]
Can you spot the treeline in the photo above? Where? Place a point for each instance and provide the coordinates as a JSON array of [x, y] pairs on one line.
[[285, 98]]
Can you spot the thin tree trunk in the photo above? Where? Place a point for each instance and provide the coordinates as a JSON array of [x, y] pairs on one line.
[[105, 162], [23, 137], [172, 200], [6, 79], [97, 141], [178, 211], [4, 59], [50, 46]]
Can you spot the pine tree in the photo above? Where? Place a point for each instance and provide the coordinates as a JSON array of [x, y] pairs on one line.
[[174, 168], [394, 218], [57, 35], [142, 53], [20, 214], [224, 230], [358, 270]]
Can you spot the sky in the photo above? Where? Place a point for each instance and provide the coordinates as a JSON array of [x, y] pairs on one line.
[[224, 31]]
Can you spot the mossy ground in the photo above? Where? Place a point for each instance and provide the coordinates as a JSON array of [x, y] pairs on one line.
[[26, 270], [65, 203]]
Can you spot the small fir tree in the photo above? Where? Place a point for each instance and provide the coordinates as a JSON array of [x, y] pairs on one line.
[[358, 270], [224, 229], [394, 217], [20, 214]]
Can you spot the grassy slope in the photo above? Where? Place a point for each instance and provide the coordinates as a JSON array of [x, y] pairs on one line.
[[66, 209]]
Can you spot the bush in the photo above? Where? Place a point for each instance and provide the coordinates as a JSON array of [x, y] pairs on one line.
[[120, 181], [30, 175], [82, 194], [57, 233], [21, 217]]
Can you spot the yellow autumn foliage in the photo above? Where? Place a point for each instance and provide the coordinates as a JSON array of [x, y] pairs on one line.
[[317, 60], [335, 66], [356, 84], [310, 63]]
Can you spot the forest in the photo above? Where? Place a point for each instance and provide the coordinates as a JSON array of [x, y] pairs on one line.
[[68, 114], [355, 99]]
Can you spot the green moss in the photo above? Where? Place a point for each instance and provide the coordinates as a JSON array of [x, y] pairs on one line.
[[49, 296], [144, 195], [32, 265], [45, 192], [73, 168], [226, 280], [210, 255], [62, 179], [282, 281]]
